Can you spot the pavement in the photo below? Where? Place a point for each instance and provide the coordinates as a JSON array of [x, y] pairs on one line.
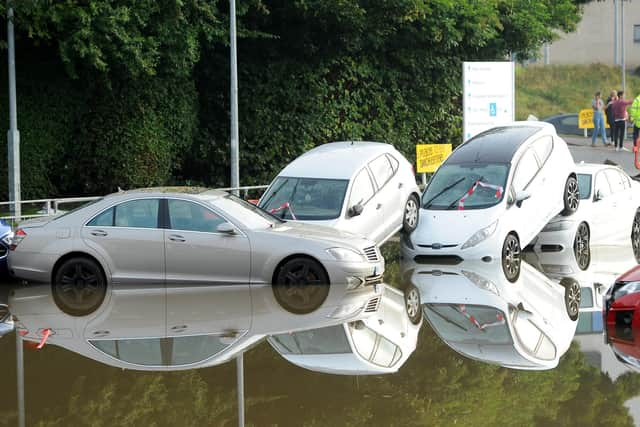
[[581, 150]]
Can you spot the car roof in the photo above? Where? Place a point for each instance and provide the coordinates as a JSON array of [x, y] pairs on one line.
[[498, 144], [199, 192], [345, 158]]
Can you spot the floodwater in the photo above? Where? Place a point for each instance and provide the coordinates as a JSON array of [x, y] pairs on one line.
[[450, 364]]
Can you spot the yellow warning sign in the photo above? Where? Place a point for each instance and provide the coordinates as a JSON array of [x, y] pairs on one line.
[[585, 119], [430, 156]]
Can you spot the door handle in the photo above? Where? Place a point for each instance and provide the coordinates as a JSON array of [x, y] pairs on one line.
[[177, 238], [179, 328], [400, 185], [99, 233]]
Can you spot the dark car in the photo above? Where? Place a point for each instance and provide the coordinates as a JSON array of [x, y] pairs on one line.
[[567, 124]]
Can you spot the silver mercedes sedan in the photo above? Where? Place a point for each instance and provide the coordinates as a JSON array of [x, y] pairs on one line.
[[187, 236]]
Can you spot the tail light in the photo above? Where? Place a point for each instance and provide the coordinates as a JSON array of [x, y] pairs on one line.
[[18, 237]]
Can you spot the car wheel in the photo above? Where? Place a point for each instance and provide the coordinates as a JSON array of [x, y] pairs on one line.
[[581, 247], [412, 304], [411, 214], [79, 286], [572, 295], [571, 197], [635, 236], [511, 257], [301, 285]]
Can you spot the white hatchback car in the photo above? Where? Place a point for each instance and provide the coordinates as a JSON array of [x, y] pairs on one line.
[[527, 325], [367, 188], [493, 195], [609, 214]]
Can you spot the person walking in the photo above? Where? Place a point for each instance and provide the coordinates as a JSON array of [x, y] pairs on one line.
[[619, 108], [634, 116], [598, 119], [613, 95]]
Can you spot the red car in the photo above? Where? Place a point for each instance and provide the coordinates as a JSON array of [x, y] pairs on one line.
[[622, 317]]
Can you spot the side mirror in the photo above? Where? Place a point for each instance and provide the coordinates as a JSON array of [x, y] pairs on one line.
[[599, 196], [521, 196], [355, 210], [226, 228]]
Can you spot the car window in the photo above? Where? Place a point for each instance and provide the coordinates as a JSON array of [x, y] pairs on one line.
[[329, 340], [162, 351], [571, 121], [189, 216], [305, 198], [586, 298], [602, 188], [105, 219], [525, 171], [381, 169], [584, 185], [137, 213], [615, 180], [543, 147], [394, 162], [362, 189]]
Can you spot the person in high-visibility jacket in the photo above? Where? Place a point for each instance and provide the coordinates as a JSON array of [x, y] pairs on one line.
[[634, 115]]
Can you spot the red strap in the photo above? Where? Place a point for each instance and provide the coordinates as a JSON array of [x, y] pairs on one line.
[[45, 336]]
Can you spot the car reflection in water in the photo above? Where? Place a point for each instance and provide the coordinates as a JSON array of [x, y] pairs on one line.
[[622, 317], [527, 324], [606, 263], [177, 327], [379, 344]]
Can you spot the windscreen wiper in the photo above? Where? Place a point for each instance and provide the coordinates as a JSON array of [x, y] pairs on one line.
[[441, 192]]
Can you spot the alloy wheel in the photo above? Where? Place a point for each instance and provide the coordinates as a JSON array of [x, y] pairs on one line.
[[511, 258], [581, 247]]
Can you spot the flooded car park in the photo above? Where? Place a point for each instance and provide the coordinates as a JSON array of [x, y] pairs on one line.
[[433, 385]]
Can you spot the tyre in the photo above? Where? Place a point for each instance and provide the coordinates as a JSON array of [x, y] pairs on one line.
[[411, 214], [581, 246], [412, 304], [635, 236], [571, 196], [572, 295], [301, 285], [79, 286], [511, 257]]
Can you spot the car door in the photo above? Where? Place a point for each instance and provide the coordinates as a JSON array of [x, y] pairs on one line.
[[196, 253], [528, 217], [390, 192], [370, 221], [602, 225], [128, 237], [622, 203]]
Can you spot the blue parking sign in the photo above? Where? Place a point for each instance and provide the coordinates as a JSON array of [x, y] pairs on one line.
[[493, 109]]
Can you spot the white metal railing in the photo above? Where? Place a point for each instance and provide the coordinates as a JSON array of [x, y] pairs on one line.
[[52, 206]]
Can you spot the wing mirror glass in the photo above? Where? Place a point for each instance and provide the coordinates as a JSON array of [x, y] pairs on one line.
[[356, 210], [226, 228], [521, 196]]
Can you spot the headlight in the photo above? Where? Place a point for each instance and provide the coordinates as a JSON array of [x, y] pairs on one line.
[[481, 282], [344, 254], [627, 289], [558, 225], [480, 235], [345, 311]]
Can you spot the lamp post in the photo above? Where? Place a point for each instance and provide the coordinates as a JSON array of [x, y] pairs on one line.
[[235, 175], [13, 135]]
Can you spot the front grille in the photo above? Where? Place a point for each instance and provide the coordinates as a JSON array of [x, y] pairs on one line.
[[372, 254], [438, 259], [372, 305], [373, 280], [551, 248], [438, 246]]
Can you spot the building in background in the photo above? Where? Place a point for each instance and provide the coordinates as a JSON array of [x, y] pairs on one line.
[[593, 41]]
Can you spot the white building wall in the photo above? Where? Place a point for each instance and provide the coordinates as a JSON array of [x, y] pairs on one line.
[[593, 40]]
